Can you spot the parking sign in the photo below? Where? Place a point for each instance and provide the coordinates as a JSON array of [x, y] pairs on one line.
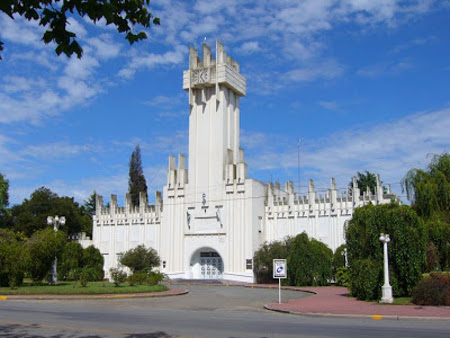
[[279, 268]]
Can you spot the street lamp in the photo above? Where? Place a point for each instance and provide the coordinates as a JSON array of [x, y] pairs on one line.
[[386, 296], [344, 253], [56, 222]]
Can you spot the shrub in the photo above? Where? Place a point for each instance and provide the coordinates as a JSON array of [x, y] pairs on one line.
[[365, 279], [433, 290], [140, 259], [263, 259], [71, 259], [118, 276], [92, 258], [137, 278], [154, 278], [309, 262], [407, 249], [342, 277]]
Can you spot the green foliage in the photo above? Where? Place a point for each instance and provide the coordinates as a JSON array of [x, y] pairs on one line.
[[92, 258], [90, 204], [154, 278], [406, 249], [140, 259], [31, 215], [429, 191], [118, 276], [309, 262], [150, 278], [4, 201], [12, 259], [263, 259], [433, 290], [71, 259], [367, 181], [53, 15], [366, 278], [339, 258], [41, 250], [136, 181], [342, 277]]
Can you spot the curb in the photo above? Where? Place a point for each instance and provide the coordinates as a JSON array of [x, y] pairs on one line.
[[169, 293], [344, 315]]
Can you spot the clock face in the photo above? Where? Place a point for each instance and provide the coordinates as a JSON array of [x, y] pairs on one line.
[[201, 75]]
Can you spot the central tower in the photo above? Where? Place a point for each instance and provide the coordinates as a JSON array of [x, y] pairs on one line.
[[214, 87]]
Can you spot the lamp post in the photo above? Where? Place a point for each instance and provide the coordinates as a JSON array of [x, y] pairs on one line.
[[344, 253], [56, 222], [386, 296]]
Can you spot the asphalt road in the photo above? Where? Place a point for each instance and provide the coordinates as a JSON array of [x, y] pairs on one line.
[[212, 311]]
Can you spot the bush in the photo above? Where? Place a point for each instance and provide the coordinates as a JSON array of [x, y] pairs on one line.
[[433, 290], [137, 278], [118, 276], [140, 259], [309, 262], [407, 249], [342, 277], [263, 259], [41, 250], [366, 279], [154, 278], [92, 258]]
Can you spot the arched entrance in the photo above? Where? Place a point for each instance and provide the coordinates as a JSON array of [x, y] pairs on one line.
[[206, 263]]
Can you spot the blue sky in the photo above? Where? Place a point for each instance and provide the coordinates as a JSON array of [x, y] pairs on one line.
[[364, 84]]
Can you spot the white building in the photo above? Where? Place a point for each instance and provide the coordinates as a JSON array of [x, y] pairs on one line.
[[210, 219]]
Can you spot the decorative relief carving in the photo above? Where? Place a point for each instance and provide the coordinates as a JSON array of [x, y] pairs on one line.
[[202, 75]]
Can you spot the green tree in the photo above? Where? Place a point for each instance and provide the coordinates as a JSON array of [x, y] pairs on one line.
[[53, 15], [366, 181], [12, 258], [264, 256], [429, 192], [71, 260], [41, 250], [92, 258], [140, 259], [365, 252], [31, 215], [4, 201], [136, 181], [309, 262], [90, 204]]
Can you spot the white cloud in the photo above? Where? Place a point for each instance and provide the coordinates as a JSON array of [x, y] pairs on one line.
[[386, 68], [151, 60], [249, 47], [390, 148], [326, 70], [330, 105]]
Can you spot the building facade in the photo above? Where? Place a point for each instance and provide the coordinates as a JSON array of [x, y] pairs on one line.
[[211, 217]]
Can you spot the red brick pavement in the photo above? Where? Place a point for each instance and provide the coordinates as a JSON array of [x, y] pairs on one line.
[[334, 300]]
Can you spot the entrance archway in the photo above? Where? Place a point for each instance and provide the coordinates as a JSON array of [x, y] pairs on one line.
[[206, 263]]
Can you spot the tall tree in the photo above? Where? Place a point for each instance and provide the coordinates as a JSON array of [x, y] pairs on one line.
[[89, 204], [53, 15], [4, 201], [366, 181], [429, 192], [136, 181], [32, 214]]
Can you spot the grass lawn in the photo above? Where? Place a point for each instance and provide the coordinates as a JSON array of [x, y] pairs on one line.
[[93, 288]]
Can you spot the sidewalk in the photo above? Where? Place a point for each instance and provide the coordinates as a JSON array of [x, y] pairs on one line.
[[334, 301]]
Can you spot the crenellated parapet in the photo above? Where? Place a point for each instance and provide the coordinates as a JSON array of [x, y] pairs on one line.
[[207, 72], [141, 214], [177, 178], [284, 203]]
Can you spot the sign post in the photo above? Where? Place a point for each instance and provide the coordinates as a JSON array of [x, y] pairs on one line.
[[279, 271]]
